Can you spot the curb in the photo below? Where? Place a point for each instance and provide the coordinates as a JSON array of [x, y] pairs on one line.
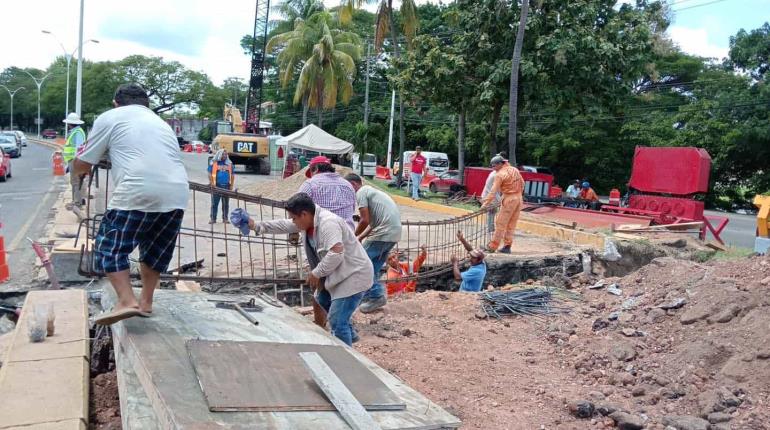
[[48, 144]]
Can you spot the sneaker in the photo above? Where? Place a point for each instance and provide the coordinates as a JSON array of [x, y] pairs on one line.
[[212, 221], [372, 305], [505, 250]]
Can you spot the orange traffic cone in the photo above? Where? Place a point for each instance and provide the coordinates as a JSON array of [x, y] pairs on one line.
[[5, 274], [58, 164]]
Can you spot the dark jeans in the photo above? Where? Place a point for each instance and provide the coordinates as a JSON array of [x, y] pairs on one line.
[[215, 198], [339, 312], [378, 252]]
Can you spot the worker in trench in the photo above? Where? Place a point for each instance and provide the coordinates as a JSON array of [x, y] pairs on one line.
[[379, 229], [472, 280], [329, 190], [399, 271], [588, 196], [509, 183], [220, 177], [340, 271]]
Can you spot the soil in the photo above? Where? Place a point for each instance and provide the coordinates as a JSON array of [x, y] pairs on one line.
[[705, 359], [104, 405], [282, 189]]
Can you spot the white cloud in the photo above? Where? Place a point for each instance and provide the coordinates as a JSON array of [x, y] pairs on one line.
[[695, 41]]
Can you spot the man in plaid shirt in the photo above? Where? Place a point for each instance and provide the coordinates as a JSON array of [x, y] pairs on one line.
[[329, 190]]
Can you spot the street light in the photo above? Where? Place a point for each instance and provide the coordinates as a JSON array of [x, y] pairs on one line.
[[39, 83], [68, 57], [12, 93]]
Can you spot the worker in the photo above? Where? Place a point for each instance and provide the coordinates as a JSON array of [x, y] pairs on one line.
[[472, 279], [329, 190], [340, 271], [220, 176], [573, 191], [492, 210], [509, 183], [398, 271], [588, 195], [148, 200], [379, 229], [76, 137], [417, 168]]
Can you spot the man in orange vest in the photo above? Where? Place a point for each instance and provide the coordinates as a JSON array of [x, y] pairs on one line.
[[220, 176], [509, 183]]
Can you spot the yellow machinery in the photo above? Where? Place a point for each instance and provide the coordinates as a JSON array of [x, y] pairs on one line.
[[250, 150], [762, 243]]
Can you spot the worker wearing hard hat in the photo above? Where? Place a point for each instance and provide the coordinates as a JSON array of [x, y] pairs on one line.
[[76, 137], [510, 184], [588, 195]]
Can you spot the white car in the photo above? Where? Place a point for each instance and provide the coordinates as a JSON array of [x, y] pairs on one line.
[[22, 136]]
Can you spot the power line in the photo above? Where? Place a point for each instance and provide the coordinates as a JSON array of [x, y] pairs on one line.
[[698, 5]]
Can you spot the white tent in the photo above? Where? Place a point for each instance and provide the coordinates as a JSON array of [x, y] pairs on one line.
[[312, 138]]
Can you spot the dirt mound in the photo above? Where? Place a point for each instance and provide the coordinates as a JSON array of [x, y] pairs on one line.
[[282, 189], [685, 345]]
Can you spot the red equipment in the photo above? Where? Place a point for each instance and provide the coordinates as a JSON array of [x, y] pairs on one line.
[[615, 197], [535, 184], [665, 183]]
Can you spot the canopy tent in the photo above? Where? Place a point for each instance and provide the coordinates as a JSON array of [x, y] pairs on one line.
[[312, 138]]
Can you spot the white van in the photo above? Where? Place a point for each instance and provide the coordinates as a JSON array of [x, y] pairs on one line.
[[370, 164], [438, 162]]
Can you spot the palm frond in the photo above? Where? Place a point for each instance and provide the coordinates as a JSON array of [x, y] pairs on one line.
[[410, 22], [382, 25], [329, 87], [345, 12]]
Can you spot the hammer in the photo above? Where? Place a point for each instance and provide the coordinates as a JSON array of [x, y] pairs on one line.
[[249, 306]]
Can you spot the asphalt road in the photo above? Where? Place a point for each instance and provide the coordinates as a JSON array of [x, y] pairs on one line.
[[26, 200], [197, 164], [740, 231]]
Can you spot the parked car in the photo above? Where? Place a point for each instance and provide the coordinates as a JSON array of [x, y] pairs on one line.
[[48, 133], [370, 164], [445, 182], [10, 144], [5, 165]]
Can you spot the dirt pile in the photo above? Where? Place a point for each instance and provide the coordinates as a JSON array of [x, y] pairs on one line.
[[684, 345], [282, 189], [105, 404]]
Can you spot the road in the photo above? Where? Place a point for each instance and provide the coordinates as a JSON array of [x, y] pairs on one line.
[[740, 231], [26, 201]]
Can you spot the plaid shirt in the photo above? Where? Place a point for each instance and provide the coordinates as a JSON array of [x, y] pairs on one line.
[[333, 193]]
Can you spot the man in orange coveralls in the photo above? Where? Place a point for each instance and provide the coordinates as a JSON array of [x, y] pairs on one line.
[[510, 184], [397, 270]]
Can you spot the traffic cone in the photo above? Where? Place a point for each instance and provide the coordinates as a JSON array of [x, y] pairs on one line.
[[58, 164], [5, 274]]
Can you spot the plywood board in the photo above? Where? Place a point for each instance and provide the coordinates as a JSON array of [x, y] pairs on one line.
[[155, 349], [268, 376]]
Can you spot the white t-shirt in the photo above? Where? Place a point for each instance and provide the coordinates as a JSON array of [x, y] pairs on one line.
[[147, 172]]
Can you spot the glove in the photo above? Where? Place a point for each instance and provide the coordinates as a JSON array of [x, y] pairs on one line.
[[239, 218]]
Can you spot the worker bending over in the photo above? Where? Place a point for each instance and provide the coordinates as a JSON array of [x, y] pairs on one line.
[[340, 270], [379, 230], [473, 278], [398, 270], [509, 183]]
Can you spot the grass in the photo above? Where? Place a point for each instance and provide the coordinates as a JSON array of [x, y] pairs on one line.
[[437, 198], [732, 253]]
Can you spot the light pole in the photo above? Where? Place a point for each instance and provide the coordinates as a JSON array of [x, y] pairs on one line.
[[12, 93], [79, 79], [39, 83], [68, 57]]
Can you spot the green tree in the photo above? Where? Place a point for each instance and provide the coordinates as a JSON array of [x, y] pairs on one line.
[[750, 51]]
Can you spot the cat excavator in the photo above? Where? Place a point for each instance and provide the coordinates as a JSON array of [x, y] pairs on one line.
[[247, 149]]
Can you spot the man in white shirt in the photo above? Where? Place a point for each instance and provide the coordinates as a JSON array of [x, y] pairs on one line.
[[148, 199], [492, 212]]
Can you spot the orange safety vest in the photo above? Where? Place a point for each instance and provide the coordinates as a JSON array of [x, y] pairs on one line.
[[215, 168]]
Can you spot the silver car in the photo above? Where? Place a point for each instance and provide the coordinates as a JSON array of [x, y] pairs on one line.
[[22, 136], [10, 146]]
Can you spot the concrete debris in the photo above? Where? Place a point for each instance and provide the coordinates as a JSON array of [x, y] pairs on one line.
[[613, 289], [581, 408], [597, 285], [686, 422], [626, 421], [676, 304]]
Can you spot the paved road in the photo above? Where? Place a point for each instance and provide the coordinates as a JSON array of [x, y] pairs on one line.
[[740, 231], [26, 201], [196, 165]]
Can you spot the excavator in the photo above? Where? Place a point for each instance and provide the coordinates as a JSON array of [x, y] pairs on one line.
[[248, 149]]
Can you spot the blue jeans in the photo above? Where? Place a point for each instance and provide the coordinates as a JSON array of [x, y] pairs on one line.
[[339, 312], [416, 179], [378, 252], [491, 220], [215, 198]]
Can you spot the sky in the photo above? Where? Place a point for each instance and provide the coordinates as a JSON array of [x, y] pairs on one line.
[[204, 35]]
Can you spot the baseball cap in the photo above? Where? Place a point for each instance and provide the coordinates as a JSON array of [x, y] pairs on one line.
[[477, 253], [497, 159], [319, 159]]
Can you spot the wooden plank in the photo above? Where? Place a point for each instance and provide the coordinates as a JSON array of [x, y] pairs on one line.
[[716, 245], [229, 371], [44, 391], [188, 286], [155, 349], [339, 394]]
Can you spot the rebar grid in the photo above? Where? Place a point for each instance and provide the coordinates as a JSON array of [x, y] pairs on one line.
[[218, 253]]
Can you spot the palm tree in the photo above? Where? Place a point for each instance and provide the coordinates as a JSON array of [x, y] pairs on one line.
[[514, 90], [290, 10], [384, 25], [323, 56]]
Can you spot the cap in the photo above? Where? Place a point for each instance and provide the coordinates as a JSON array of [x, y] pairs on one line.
[[477, 253], [586, 185], [497, 159], [319, 159], [73, 118]]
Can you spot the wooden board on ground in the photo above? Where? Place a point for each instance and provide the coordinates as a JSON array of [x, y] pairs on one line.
[[189, 286], [155, 349], [229, 371]]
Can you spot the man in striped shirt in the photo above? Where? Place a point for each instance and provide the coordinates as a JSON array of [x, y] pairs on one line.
[[329, 190]]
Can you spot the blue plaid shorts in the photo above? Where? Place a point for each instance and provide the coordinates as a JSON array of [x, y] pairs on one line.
[[121, 231]]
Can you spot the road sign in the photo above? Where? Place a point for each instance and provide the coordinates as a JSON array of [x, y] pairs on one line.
[[39, 121]]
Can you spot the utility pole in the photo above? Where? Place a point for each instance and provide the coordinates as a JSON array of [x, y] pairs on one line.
[[390, 134], [12, 93], [39, 83], [366, 112], [79, 79]]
